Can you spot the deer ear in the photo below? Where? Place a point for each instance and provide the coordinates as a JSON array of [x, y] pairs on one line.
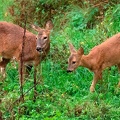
[[72, 49], [36, 28], [49, 25], [81, 51]]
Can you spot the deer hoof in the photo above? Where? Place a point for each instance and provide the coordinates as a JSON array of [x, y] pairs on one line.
[[119, 84], [92, 89]]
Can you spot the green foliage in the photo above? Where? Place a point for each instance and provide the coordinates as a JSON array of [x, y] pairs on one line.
[[112, 20], [63, 96], [38, 11], [81, 18], [4, 14]]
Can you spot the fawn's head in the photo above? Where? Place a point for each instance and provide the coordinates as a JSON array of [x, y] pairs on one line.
[[75, 58], [42, 38]]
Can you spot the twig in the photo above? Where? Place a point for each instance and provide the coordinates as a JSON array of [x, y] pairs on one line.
[[21, 61]]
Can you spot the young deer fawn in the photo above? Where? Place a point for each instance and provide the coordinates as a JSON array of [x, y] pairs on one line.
[[35, 48], [100, 57]]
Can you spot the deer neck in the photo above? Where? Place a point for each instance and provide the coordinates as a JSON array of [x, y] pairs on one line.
[[47, 48], [85, 62], [45, 52]]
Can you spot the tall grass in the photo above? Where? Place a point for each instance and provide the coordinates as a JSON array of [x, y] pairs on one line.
[[64, 96]]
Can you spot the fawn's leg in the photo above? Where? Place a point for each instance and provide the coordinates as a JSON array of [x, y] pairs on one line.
[[97, 76]]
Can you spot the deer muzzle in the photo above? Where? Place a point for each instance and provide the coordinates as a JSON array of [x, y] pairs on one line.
[[39, 49], [68, 71]]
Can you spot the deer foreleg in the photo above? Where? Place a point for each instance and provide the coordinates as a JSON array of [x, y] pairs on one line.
[[97, 76]]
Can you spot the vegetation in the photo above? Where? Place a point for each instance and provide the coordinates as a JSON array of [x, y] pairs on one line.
[[63, 96]]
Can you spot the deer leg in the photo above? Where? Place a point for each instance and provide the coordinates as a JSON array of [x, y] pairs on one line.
[[24, 72], [28, 69], [3, 64], [97, 76]]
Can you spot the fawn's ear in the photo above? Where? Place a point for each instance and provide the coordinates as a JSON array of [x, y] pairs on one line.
[[36, 28], [80, 51], [72, 49], [49, 25]]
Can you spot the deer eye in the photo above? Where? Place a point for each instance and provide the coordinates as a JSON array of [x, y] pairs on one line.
[[45, 38], [73, 62]]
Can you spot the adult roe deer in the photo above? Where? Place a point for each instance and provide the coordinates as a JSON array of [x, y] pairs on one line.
[[104, 55], [35, 49]]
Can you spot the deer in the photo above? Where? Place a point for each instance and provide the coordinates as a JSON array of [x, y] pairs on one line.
[[100, 57], [36, 47]]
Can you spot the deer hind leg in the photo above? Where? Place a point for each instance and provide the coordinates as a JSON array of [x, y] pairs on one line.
[[97, 76], [3, 64]]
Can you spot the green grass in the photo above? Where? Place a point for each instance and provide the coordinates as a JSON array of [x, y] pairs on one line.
[[63, 96]]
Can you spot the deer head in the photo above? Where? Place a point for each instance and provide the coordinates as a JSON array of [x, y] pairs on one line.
[[75, 58], [43, 36]]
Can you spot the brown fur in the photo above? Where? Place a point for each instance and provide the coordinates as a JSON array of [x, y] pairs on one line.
[[100, 57], [11, 37]]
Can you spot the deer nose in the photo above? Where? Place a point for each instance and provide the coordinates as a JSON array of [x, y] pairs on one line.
[[68, 71], [39, 49]]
